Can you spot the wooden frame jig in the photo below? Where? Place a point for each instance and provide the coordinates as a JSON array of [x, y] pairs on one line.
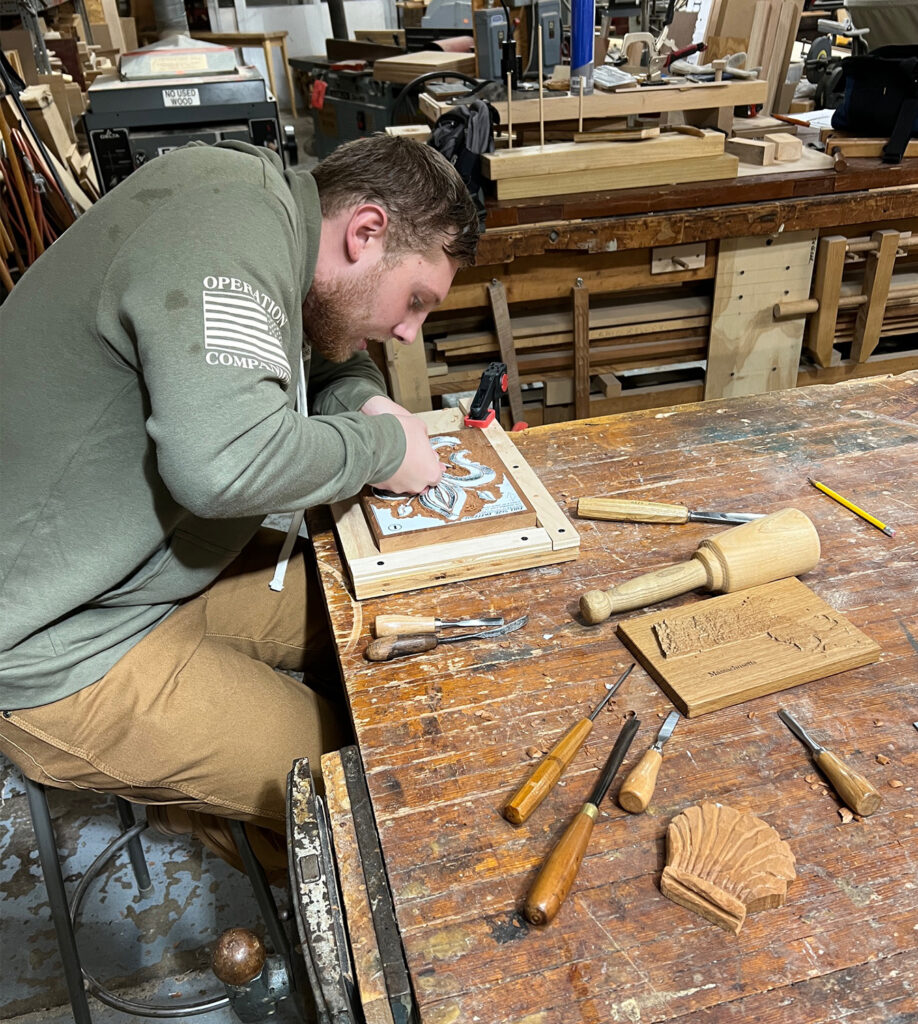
[[374, 573]]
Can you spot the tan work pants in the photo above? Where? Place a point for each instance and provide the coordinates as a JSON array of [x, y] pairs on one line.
[[195, 718]]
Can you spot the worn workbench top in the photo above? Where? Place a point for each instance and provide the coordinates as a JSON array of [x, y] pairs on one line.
[[444, 737]]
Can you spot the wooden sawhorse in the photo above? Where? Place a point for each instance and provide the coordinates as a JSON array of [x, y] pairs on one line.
[[265, 40]]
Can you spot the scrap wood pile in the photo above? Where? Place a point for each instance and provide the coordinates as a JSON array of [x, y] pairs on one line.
[[652, 330], [46, 174], [34, 205]]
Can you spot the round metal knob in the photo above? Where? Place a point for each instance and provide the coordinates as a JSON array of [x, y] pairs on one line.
[[238, 957]]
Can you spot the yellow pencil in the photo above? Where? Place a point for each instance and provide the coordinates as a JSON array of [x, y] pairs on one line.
[[850, 504]]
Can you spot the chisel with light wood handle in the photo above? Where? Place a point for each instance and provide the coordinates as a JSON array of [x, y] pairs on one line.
[[557, 874], [774, 547], [635, 511], [641, 781], [403, 625], [855, 791]]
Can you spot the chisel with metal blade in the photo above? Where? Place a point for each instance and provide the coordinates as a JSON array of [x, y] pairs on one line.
[[541, 782], [557, 874], [852, 787], [388, 647], [402, 625], [638, 787], [622, 510]]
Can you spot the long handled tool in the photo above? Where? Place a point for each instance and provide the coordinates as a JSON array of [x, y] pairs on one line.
[[405, 625], [388, 647], [557, 875], [851, 786], [779, 545], [635, 511], [638, 787], [541, 782]]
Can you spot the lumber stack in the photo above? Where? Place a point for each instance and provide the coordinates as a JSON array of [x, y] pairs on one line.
[[763, 29], [652, 332], [574, 168]]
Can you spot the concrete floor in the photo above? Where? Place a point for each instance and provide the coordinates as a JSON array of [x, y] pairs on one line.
[[154, 948]]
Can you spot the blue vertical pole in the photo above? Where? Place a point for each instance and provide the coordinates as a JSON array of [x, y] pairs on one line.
[[583, 21]]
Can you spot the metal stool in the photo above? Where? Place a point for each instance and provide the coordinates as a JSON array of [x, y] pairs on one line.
[[66, 916]]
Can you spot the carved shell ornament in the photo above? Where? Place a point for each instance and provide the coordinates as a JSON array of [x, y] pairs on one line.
[[723, 863]]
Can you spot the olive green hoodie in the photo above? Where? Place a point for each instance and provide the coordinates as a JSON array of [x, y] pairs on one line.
[[150, 361]]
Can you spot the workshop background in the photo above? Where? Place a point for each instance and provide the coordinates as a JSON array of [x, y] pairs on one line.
[[159, 947]]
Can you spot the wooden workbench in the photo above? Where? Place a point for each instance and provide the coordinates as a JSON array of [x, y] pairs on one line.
[[539, 249], [444, 739]]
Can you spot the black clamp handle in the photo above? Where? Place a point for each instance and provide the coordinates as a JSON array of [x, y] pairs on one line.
[[485, 406]]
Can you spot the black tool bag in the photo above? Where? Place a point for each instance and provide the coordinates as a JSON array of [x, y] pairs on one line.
[[881, 97], [462, 134]]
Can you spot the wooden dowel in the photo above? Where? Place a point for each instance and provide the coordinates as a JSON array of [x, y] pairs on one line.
[[580, 107], [541, 109], [509, 111], [792, 310]]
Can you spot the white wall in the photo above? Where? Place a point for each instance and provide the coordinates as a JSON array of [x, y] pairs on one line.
[[307, 26]]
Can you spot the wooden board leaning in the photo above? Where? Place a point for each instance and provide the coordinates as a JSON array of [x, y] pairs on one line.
[[374, 573]]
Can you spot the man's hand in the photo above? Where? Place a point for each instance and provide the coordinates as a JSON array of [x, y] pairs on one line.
[[420, 468]]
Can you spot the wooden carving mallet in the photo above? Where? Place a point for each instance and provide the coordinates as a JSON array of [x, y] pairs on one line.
[[774, 547]]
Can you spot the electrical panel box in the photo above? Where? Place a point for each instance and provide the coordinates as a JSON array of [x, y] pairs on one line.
[[490, 33], [548, 13]]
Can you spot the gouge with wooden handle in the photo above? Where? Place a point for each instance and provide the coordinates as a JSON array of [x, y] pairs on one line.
[[622, 510], [388, 647], [638, 787], [541, 782], [403, 625], [852, 787], [774, 547], [557, 874]]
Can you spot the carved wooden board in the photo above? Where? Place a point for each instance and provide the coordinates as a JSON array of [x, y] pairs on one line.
[[477, 496], [720, 652], [374, 573]]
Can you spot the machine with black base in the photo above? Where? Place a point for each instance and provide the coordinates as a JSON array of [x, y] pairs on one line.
[[164, 98]]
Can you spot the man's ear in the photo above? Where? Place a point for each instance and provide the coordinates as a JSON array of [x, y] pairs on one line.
[[365, 232]]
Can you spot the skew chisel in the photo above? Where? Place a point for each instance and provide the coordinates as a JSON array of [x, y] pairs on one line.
[[638, 787], [851, 786]]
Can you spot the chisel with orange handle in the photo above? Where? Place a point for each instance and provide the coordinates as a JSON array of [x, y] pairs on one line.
[[557, 874], [541, 782]]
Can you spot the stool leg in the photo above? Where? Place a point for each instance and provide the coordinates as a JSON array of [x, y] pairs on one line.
[[262, 890], [57, 897], [135, 849]]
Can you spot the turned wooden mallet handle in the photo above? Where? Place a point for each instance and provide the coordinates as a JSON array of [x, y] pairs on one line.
[[774, 547]]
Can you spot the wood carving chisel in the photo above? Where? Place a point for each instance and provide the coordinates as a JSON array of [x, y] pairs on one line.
[[557, 874], [851, 786], [541, 782], [638, 787], [385, 648], [401, 625], [622, 510]]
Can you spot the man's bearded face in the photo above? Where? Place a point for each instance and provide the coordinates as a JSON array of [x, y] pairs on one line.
[[337, 314]]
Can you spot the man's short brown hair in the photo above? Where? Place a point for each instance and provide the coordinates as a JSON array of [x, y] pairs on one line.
[[423, 194]]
